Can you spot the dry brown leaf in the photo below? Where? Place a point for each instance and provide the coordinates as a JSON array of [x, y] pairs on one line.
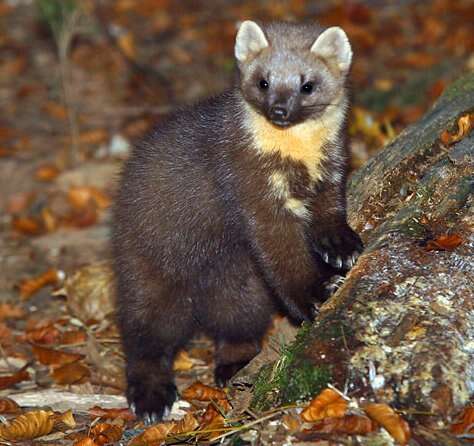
[[393, 423], [28, 426], [82, 196], [9, 406], [15, 378], [27, 226], [292, 423], [8, 311], [328, 403], [161, 431], [73, 337], [182, 362], [19, 201], [90, 291], [465, 422], [126, 42], [82, 219], [47, 172], [211, 419], [30, 286], [97, 136], [465, 125], [104, 433], [125, 414], [200, 392], [153, 434], [72, 373], [5, 333], [348, 424], [50, 221], [66, 418], [445, 242], [187, 424], [14, 67], [47, 334], [49, 356], [55, 110], [4, 152], [86, 441]]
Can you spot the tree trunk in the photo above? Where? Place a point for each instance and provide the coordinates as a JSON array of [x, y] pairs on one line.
[[401, 328]]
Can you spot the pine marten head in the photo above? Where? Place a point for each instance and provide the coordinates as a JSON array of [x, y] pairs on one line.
[[290, 73]]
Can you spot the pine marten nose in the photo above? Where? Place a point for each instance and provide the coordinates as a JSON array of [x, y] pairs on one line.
[[279, 112]]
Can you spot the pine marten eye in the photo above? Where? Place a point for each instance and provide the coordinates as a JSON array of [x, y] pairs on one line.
[[307, 88], [263, 84]]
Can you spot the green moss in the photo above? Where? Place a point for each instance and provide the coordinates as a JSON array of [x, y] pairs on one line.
[[463, 85], [292, 377], [303, 381]]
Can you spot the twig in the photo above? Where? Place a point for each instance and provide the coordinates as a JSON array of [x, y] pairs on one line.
[[64, 41], [246, 426]]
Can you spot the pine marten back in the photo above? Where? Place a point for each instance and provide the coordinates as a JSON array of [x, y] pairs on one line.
[[234, 208]]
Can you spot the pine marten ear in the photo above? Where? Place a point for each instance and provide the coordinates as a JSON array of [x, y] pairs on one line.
[[333, 45], [250, 41]]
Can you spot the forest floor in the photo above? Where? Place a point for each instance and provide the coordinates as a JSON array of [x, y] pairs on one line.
[[67, 124]]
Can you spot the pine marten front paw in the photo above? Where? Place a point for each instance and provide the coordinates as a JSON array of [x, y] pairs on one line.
[[151, 402], [340, 248]]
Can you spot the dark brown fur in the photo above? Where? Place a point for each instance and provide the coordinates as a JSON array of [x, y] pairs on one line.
[[201, 245]]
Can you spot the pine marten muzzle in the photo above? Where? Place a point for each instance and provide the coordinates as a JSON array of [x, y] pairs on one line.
[[234, 209]]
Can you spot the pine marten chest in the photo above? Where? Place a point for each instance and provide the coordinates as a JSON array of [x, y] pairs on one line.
[[293, 157]]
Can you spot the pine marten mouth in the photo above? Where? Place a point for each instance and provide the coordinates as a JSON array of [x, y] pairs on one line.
[[281, 124]]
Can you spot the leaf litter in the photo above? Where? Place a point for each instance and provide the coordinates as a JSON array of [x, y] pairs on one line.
[[67, 342]]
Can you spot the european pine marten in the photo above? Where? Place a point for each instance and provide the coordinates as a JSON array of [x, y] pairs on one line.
[[234, 208]]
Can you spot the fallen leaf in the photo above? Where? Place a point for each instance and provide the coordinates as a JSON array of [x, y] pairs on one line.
[[465, 422], [15, 378], [104, 433], [153, 434], [86, 441], [73, 337], [328, 403], [28, 426], [18, 202], [292, 423], [14, 67], [81, 196], [8, 311], [43, 335], [49, 356], [47, 172], [5, 333], [200, 392], [9, 406], [445, 242], [4, 152], [126, 42], [66, 418], [30, 286], [465, 125], [55, 110], [97, 136], [212, 419], [83, 219], [125, 414], [161, 431], [27, 226], [393, 423], [71, 373], [348, 424], [418, 60], [182, 362]]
